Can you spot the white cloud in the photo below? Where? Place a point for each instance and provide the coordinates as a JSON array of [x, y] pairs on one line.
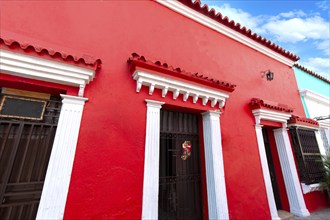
[[297, 29], [292, 14], [323, 5], [287, 27], [239, 16], [318, 65], [323, 46]]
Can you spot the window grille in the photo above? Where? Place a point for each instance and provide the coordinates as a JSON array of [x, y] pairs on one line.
[[307, 155]]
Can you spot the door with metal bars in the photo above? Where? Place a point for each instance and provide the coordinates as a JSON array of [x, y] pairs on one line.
[[27, 131], [180, 195]]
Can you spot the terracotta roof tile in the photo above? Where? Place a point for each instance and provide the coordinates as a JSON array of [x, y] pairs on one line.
[[204, 9], [312, 73], [257, 103], [303, 121], [16, 43], [140, 61]]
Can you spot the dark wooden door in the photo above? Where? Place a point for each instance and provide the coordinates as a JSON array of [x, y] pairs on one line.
[[25, 147], [272, 170], [179, 171]]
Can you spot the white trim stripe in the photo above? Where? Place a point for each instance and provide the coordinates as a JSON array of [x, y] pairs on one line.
[[208, 22]]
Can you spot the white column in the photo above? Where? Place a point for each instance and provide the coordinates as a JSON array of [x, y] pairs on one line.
[[291, 180], [320, 143], [56, 186], [265, 171], [215, 174], [151, 161]]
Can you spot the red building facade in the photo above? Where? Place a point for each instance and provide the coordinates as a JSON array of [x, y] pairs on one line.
[[157, 62]]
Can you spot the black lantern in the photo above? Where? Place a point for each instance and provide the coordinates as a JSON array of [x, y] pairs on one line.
[[269, 75]]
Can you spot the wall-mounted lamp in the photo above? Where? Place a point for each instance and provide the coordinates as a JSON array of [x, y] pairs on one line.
[[269, 75]]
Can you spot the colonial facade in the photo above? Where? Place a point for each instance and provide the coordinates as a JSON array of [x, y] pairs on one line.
[[145, 109]]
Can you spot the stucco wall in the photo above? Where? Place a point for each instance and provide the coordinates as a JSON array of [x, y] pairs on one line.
[[107, 176]]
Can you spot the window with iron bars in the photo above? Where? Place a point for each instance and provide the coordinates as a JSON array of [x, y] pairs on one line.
[[307, 153]]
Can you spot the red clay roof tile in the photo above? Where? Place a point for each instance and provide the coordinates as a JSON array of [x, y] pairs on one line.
[[303, 121], [312, 73], [11, 42], [257, 103], [140, 61], [204, 9]]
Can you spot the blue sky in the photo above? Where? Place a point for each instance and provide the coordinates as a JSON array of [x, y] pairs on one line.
[[300, 26]]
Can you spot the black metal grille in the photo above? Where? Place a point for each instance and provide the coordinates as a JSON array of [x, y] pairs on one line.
[[25, 147], [179, 180], [307, 154]]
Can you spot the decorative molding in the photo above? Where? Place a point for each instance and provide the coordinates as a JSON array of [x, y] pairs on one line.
[[324, 123], [151, 161], [266, 174], [45, 70], [208, 22], [311, 188], [56, 185], [314, 96], [303, 126], [178, 87], [290, 175], [262, 114], [215, 174]]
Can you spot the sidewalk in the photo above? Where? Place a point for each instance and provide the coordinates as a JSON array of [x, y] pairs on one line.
[[323, 214]]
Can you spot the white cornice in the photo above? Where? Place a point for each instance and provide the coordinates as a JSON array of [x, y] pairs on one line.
[[45, 70], [262, 114], [324, 123], [208, 22], [178, 87], [314, 96]]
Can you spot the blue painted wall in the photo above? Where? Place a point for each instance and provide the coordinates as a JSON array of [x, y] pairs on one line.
[[307, 81]]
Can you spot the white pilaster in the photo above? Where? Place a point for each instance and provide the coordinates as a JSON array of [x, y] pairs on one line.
[[215, 175], [151, 161], [265, 171], [291, 180], [56, 186], [320, 143]]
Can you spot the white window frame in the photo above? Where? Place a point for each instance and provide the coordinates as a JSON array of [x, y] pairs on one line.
[[56, 185]]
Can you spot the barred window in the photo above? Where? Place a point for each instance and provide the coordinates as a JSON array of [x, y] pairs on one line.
[[307, 155]]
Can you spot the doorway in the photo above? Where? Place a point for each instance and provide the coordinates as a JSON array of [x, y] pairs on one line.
[[271, 168], [180, 195]]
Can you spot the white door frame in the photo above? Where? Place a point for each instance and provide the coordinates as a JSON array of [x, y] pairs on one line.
[[291, 180], [216, 190]]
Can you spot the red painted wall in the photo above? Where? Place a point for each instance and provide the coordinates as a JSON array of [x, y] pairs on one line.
[[107, 176]]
